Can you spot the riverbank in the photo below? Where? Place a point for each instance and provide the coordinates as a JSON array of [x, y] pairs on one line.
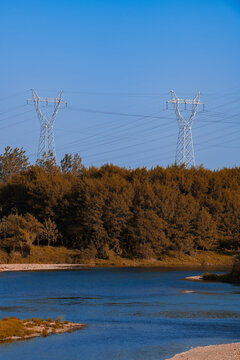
[[63, 257], [40, 267], [198, 259], [232, 276], [212, 352], [194, 278]]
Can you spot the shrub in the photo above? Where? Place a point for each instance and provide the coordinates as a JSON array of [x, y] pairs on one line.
[[44, 333], [59, 318], [11, 327], [37, 322], [210, 277]]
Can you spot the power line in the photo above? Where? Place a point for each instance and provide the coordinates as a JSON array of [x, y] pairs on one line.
[[13, 116], [16, 123], [104, 133], [113, 113], [13, 95], [12, 109], [94, 93]]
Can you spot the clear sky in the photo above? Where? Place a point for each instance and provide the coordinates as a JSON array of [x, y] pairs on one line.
[[120, 59]]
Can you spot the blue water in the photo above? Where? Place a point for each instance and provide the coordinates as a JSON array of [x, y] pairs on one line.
[[132, 314]]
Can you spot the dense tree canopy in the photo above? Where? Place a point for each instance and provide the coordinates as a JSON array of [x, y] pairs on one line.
[[136, 213]]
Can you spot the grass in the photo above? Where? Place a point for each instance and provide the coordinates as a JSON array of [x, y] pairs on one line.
[[13, 327], [198, 258], [43, 255], [232, 276], [62, 255]]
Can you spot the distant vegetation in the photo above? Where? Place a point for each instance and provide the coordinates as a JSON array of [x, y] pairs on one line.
[[233, 276], [100, 212]]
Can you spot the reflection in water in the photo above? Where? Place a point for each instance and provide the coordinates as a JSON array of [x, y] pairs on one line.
[[142, 314], [75, 297]]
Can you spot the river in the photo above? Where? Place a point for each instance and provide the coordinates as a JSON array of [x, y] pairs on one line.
[[131, 313]]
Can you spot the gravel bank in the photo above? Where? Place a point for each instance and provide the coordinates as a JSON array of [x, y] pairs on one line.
[[40, 267], [212, 352], [194, 278]]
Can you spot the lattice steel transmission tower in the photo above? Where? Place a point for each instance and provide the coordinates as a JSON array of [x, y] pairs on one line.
[[46, 146], [185, 151]]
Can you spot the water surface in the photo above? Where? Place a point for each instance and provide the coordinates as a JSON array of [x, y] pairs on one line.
[[132, 314]]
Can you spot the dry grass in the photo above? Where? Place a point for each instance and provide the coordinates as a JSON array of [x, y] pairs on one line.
[[42, 255], [199, 258], [15, 329], [61, 255], [13, 326], [232, 276]]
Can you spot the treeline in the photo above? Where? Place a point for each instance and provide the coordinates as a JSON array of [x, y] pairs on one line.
[[134, 213]]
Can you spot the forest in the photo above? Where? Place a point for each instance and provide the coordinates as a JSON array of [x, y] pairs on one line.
[[133, 213]]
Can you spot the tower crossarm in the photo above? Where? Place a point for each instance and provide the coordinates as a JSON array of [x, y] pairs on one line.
[[46, 99], [176, 100], [185, 101]]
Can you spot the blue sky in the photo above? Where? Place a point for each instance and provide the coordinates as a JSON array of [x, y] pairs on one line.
[[122, 57]]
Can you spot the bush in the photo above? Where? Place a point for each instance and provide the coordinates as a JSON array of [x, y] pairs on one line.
[[37, 322], [12, 327], [44, 333], [211, 277]]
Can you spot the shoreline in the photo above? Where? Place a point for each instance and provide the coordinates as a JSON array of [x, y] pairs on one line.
[[59, 267], [194, 278], [210, 352], [60, 257], [41, 267]]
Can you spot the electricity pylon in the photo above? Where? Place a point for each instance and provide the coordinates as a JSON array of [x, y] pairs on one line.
[[185, 151], [46, 146]]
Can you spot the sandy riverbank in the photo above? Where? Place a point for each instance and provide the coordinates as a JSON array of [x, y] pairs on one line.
[[40, 267], [54, 267], [194, 278], [212, 352]]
